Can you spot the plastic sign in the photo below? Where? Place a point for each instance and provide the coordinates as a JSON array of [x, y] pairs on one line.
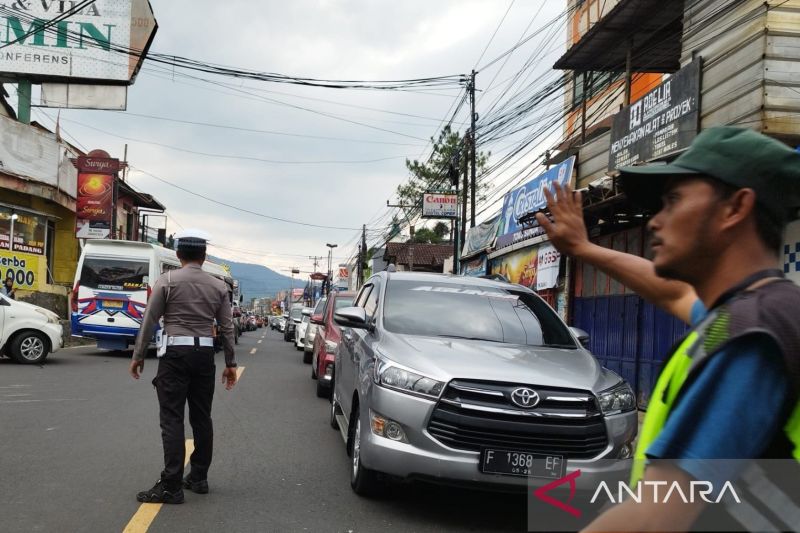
[[439, 205], [90, 44]]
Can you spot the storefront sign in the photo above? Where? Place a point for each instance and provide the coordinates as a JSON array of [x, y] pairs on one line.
[[439, 205], [24, 268], [518, 267], [549, 261], [474, 267], [662, 122], [94, 206], [528, 199], [29, 231], [80, 46]]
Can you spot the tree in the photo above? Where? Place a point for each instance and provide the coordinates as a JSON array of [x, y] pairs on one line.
[[441, 229], [425, 236], [432, 175]]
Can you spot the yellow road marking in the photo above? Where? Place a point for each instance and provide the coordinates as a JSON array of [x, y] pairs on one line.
[[252, 351], [239, 372], [140, 522]]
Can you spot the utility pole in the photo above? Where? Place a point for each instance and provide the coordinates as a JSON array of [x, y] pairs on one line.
[[472, 156], [316, 259], [465, 171], [362, 256]]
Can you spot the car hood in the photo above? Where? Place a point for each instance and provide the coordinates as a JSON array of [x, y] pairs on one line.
[[444, 359]]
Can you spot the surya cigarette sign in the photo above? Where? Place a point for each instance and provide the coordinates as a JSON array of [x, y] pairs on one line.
[[439, 205], [43, 40]]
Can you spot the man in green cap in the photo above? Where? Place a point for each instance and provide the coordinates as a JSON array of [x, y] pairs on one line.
[[729, 390]]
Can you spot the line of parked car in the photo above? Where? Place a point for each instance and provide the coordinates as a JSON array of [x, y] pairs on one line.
[[462, 381]]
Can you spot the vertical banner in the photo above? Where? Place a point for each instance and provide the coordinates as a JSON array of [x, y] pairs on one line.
[[95, 205], [549, 261]]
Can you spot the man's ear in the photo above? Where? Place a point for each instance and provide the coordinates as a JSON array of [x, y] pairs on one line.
[[739, 207]]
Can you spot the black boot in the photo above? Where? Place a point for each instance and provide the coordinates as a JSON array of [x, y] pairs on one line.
[[199, 486], [161, 494]]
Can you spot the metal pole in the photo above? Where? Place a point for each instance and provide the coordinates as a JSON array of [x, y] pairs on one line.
[[455, 237], [472, 156], [24, 101], [583, 106], [628, 73]]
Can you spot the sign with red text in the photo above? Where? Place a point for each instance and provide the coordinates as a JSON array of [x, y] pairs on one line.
[[439, 205]]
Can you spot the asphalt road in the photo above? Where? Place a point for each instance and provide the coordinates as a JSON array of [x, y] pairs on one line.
[[79, 438]]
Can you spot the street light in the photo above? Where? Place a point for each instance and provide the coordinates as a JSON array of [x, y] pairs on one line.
[[14, 217], [330, 263]]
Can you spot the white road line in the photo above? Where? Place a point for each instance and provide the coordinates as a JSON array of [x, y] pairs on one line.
[[53, 400], [259, 342], [252, 351]]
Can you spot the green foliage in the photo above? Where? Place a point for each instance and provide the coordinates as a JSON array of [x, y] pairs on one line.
[[426, 236], [432, 175]]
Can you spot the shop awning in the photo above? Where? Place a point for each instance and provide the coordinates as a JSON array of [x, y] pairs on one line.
[[651, 28], [141, 199]]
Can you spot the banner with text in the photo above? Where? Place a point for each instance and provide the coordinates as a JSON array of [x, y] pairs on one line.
[[94, 205], [24, 268], [527, 199], [662, 122], [549, 261], [439, 205]]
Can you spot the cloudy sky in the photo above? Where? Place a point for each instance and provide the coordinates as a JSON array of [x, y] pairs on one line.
[[325, 181]]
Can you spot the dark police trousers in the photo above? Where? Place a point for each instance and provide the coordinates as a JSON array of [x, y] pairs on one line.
[[185, 373]]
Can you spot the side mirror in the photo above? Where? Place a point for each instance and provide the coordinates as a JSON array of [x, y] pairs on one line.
[[581, 335], [351, 317], [317, 319]]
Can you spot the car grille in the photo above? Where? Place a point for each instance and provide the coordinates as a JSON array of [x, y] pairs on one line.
[[472, 415]]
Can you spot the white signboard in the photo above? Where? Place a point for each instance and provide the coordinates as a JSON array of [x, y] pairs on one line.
[[549, 261], [87, 45], [439, 205], [85, 231]]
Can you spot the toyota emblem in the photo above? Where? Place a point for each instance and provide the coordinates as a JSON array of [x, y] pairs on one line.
[[525, 397]]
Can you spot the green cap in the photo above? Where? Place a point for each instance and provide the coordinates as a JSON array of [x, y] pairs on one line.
[[739, 157]]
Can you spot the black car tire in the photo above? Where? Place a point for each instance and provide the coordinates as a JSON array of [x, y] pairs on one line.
[[313, 365], [334, 409], [307, 356], [29, 348], [363, 481], [323, 391], [296, 347]]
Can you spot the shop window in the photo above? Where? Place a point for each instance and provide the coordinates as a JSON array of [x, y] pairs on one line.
[[596, 82]]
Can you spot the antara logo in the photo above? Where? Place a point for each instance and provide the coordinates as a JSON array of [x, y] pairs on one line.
[[703, 489]]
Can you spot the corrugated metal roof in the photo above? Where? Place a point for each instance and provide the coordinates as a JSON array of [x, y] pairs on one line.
[[654, 27]]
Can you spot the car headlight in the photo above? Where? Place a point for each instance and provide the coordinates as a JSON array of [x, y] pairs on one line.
[[617, 399], [50, 316], [331, 348], [394, 377]]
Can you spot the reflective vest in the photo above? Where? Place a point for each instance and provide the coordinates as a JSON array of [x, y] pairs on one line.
[[771, 309]]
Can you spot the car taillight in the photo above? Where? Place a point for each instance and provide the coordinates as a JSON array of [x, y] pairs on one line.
[[149, 292], [74, 299]]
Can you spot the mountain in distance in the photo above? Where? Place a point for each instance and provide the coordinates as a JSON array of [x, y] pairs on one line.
[[258, 281]]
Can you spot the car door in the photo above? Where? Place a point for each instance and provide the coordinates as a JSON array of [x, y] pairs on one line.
[[363, 340], [4, 306], [346, 360]]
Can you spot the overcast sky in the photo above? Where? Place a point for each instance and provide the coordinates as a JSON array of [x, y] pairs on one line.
[[344, 39]]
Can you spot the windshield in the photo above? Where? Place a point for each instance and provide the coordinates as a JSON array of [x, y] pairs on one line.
[[114, 274], [472, 312], [297, 313], [319, 307]]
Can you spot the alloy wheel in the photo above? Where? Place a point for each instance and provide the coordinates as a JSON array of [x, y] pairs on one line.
[[31, 348]]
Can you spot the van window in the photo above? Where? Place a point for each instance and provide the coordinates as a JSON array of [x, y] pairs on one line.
[[114, 274]]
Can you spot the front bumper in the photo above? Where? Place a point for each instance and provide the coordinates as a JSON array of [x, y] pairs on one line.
[[424, 457], [55, 332]]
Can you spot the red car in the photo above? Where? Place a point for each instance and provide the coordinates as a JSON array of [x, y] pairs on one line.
[[326, 343]]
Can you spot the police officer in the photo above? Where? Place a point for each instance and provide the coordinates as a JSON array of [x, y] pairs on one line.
[[189, 300], [727, 398]]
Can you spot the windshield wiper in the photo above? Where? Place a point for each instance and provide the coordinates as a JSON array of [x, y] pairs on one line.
[[471, 338]]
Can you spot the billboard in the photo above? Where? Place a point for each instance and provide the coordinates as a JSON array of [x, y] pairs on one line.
[[439, 205], [518, 267], [660, 123], [24, 268], [526, 199], [89, 45], [94, 206]]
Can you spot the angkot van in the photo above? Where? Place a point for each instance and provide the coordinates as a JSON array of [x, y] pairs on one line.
[[113, 282]]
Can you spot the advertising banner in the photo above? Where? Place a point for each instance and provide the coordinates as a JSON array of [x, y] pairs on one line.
[[526, 199], [94, 205], [549, 261], [80, 46], [439, 205], [518, 267], [24, 268], [662, 122], [474, 267]]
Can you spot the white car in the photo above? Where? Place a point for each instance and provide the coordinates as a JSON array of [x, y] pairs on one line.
[[28, 332], [300, 330]]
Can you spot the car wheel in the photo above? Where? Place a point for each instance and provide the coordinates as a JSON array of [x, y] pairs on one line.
[[307, 356], [314, 365], [29, 348], [298, 348], [323, 391], [364, 482]]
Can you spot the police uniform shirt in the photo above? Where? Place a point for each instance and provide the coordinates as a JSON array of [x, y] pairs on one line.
[[196, 298]]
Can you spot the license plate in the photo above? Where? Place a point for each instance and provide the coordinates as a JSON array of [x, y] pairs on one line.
[[517, 463], [113, 304]]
